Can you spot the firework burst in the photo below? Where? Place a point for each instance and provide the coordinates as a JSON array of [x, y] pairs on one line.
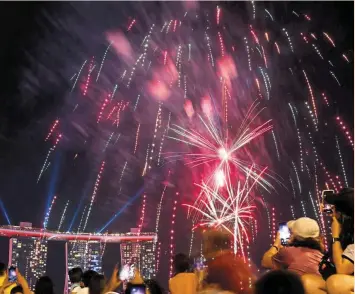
[[230, 208], [215, 149]]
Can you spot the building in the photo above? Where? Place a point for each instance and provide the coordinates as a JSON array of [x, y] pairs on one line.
[[28, 249], [85, 254], [29, 255], [148, 260], [142, 254]]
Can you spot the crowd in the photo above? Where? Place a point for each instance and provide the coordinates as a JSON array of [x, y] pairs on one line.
[[302, 266]]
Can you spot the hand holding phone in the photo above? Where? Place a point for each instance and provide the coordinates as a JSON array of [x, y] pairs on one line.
[[12, 275], [135, 289], [327, 208], [285, 233], [127, 272]]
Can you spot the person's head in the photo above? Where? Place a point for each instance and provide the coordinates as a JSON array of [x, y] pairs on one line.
[[181, 263], [343, 202], [215, 241], [44, 285], [344, 212], [305, 232], [228, 272], [75, 275], [96, 284], [280, 282], [16, 290], [86, 277], [153, 287], [2, 269]]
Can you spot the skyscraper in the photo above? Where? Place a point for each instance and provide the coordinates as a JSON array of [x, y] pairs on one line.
[[142, 254], [148, 261], [85, 254], [29, 255]]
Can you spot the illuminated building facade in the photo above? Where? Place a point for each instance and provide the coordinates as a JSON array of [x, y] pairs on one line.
[[28, 249], [29, 255], [142, 254], [85, 254]]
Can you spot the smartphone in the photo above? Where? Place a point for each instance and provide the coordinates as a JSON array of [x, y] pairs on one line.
[[12, 274], [127, 272], [136, 289], [327, 208], [285, 233]]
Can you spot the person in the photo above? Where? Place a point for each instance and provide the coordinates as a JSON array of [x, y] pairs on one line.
[[280, 282], [215, 242], [183, 282], [96, 284], [114, 282], [21, 281], [85, 281], [227, 273], [5, 285], [303, 253], [17, 290], [342, 247], [153, 287], [44, 285], [343, 242], [75, 275]]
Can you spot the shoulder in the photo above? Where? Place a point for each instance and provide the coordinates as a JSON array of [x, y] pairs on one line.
[[287, 250], [83, 290], [350, 248], [349, 253]]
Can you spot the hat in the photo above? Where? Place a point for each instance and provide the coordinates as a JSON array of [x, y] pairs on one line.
[[343, 201], [304, 227], [290, 224]]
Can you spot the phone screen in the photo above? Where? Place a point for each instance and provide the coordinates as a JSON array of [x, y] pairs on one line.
[[137, 289], [199, 263], [327, 208], [127, 272], [284, 233], [12, 274]]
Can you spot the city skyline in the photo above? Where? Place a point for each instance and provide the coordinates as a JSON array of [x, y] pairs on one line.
[[28, 249]]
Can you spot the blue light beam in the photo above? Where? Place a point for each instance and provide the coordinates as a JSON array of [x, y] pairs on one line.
[[2, 207], [138, 194]]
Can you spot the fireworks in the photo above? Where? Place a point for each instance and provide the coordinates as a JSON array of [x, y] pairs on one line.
[[215, 149], [213, 94], [229, 209]]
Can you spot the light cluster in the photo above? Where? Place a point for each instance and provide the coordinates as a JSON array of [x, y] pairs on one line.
[[48, 213], [63, 216], [96, 187], [172, 240], [53, 127], [346, 131]]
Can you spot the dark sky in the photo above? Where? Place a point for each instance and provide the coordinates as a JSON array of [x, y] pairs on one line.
[[33, 95]]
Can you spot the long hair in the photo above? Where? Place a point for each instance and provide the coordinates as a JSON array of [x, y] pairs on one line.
[[96, 284], [44, 285], [230, 273], [311, 243], [347, 230]]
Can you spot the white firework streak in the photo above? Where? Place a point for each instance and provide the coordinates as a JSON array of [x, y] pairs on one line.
[[219, 150], [231, 211]]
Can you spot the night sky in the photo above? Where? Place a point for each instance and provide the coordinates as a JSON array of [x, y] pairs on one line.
[[43, 44]]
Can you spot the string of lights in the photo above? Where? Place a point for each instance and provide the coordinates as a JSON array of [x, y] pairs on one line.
[[172, 240]]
